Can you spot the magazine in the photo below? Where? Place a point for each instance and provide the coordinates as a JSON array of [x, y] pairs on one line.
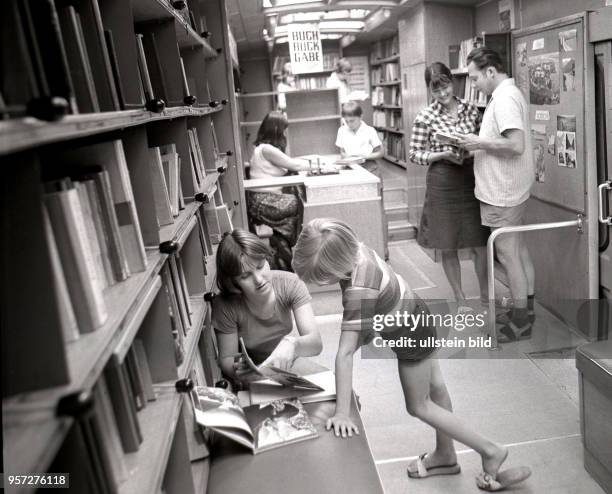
[[280, 376], [266, 390], [258, 427]]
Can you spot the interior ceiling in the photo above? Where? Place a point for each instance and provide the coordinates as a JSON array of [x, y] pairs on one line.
[[247, 20]]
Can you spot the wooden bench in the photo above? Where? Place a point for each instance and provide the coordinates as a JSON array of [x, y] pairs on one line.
[[594, 361], [324, 464]]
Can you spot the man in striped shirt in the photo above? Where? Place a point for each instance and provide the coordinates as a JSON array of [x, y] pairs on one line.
[[504, 172]]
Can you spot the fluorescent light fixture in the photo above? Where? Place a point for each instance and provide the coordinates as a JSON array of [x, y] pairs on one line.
[[377, 18], [321, 15]]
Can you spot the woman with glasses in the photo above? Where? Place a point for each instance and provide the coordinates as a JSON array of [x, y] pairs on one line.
[[451, 213]]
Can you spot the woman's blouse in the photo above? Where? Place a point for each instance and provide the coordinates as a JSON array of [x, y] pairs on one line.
[[435, 118], [374, 288], [261, 336], [263, 168]]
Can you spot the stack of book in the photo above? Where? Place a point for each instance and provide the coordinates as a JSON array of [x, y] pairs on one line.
[[385, 49]]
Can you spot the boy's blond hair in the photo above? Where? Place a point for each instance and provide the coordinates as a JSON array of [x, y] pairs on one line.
[[326, 251]]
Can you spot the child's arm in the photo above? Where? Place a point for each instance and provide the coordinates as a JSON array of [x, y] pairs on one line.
[[377, 152], [341, 421]]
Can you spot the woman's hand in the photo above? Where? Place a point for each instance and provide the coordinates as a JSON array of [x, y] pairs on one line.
[[448, 156], [283, 355], [342, 425], [242, 371], [469, 142]]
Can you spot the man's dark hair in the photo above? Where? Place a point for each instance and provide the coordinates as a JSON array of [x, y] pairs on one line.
[[484, 57]]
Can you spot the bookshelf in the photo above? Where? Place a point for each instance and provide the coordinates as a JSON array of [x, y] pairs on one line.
[[315, 80], [387, 116], [121, 171], [457, 55]]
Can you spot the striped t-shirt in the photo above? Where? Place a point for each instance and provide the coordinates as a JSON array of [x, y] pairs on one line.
[[374, 288], [502, 181]]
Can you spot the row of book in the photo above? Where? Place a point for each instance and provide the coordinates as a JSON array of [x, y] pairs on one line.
[[395, 147], [68, 62], [384, 49], [313, 82], [385, 73], [386, 95], [390, 119], [457, 54], [93, 232]]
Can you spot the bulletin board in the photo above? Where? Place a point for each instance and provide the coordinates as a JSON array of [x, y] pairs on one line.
[[548, 67]]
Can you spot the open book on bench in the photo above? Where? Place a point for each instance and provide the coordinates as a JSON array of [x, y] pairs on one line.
[[266, 390], [280, 376], [259, 428]]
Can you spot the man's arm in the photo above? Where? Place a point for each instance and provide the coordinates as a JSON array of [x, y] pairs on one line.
[[511, 144]]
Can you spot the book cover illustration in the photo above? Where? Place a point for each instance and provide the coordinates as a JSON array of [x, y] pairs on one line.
[[280, 376], [259, 427]]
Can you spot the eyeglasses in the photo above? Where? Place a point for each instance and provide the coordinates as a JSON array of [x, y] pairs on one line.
[[442, 90]]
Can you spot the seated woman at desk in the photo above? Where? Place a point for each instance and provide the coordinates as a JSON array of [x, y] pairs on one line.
[[273, 206], [257, 304]]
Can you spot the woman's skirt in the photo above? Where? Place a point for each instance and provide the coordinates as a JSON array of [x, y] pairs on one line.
[[451, 212], [283, 213]]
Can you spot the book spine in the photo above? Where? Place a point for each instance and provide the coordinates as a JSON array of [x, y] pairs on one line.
[[75, 253]]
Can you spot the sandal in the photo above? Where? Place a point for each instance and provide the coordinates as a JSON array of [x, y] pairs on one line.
[[502, 480], [422, 472]]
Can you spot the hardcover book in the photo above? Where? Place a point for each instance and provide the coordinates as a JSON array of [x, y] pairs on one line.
[[259, 428]]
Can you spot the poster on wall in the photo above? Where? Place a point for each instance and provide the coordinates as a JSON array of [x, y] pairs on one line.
[[544, 79], [568, 74], [566, 141], [522, 70], [305, 48], [539, 144], [359, 78], [506, 15], [567, 40]]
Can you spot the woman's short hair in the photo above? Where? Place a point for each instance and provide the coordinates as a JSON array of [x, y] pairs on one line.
[[343, 65], [272, 130], [326, 251], [233, 255], [352, 109], [484, 57], [438, 75]]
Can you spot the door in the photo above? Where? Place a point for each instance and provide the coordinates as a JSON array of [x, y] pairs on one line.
[[603, 116]]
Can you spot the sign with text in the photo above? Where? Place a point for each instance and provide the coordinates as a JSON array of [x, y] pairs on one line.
[[305, 48]]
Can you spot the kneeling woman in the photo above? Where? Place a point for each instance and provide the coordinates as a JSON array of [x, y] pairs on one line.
[[278, 207], [256, 303]]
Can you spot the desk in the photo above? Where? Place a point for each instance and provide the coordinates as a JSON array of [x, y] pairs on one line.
[[352, 196], [326, 464]]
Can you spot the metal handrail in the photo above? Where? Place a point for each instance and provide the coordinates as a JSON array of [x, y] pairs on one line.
[[490, 258]]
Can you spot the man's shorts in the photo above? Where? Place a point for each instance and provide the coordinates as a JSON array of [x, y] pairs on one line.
[[498, 216]]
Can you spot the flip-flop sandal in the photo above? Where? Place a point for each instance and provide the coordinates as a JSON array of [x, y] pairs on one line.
[[422, 472], [503, 480]]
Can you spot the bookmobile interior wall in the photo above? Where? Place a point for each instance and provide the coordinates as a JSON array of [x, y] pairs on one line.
[[121, 169]]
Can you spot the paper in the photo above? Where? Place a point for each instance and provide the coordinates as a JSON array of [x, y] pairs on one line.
[[567, 40], [506, 15], [538, 44], [522, 69], [305, 48], [566, 141], [542, 115], [544, 79], [539, 143], [568, 72], [280, 376]]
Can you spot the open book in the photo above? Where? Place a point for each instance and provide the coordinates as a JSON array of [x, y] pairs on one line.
[[350, 160], [266, 390], [259, 428], [280, 376], [447, 138]]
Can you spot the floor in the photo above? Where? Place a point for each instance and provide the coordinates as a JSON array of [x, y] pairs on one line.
[[530, 404]]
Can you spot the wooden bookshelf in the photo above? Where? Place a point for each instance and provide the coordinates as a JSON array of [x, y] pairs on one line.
[[136, 194], [387, 117]]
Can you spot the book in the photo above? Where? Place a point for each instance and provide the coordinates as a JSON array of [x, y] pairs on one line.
[[349, 160], [447, 138], [73, 243], [163, 209], [78, 60], [267, 390], [114, 65], [259, 428], [280, 376]]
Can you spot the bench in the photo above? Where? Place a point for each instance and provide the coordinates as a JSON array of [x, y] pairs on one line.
[[594, 362], [324, 464]]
